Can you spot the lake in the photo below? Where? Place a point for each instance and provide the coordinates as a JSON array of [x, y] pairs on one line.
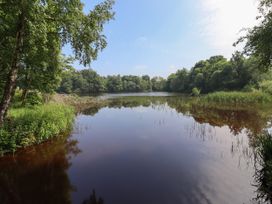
[[147, 149]]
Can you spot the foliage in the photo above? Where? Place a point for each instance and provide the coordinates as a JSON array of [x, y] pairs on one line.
[[195, 92], [216, 74], [28, 126], [32, 35], [87, 81], [34, 98], [211, 75], [266, 86], [158, 84], [258, 39]]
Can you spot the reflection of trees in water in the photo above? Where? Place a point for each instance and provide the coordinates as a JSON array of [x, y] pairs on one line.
[[38, 174], [93, 199], [236, 120], [251, 121]]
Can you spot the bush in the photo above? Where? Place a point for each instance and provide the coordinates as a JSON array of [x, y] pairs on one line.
[[29, 126], [196, 91], [34, 98], [266, 86]]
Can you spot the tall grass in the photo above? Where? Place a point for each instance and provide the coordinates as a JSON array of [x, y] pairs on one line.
[[28, 126], [238, 97]]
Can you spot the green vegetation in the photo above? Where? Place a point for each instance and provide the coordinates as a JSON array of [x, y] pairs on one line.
[[263, 175], [236, 97], [28, 126], [89, 82], [32, 35], [31, 64], [207, 76], [195, 92], [258, 39]]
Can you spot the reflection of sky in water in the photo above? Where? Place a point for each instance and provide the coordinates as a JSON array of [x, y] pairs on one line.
[[156, 155]]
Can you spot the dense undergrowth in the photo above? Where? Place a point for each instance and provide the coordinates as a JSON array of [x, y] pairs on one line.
[[27, 126]]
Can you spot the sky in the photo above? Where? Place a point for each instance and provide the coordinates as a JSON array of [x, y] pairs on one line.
[[158, 37]]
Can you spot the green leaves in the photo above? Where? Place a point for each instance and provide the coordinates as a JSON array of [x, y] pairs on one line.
[[48, 25], [259, 38]]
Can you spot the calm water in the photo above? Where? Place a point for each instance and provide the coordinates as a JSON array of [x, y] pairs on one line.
[[143, 150]]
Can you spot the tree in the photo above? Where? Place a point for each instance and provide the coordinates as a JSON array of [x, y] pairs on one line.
[[178, 82], [92, 82], [158, 84], [33, 32], [114, 84], [258, 39], [146, 83]]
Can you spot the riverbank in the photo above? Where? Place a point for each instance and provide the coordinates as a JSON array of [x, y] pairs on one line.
[[28, 126], [33, 124]]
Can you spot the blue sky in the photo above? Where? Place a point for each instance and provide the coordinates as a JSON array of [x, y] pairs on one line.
[[157, 37]]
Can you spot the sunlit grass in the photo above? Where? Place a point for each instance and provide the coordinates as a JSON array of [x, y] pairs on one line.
[[238, 97], [28, 126]]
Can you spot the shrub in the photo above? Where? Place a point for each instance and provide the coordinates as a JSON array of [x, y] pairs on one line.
[[34, 98], [266, 86], [196, 91], [28, 126]]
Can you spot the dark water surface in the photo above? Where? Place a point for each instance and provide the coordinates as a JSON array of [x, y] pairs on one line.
[[143, 150]]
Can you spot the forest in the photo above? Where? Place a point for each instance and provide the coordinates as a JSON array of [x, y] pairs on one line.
[[217, 73]]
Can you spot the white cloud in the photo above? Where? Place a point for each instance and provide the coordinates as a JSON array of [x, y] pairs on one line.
[[223, 21]]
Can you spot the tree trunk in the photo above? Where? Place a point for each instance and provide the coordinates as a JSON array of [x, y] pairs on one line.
[[24, 95], [12, 76]]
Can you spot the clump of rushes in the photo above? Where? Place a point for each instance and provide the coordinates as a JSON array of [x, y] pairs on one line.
[[29, 126], [238, 97]]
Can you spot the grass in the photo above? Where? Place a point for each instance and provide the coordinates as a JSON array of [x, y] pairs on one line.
[[29, 126], [237, 97]]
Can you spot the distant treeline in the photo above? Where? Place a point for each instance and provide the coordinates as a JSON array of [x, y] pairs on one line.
[[214, 74]]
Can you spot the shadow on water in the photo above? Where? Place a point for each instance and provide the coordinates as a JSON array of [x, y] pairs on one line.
[[38, 174]]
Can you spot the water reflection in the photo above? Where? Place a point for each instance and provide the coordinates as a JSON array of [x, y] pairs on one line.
[[239, 120], [251, 119], [39, 174], [148, 150]]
